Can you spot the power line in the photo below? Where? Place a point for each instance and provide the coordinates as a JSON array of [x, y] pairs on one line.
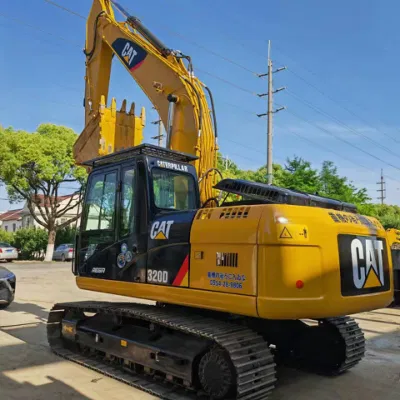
[[227, 82], [319, 111], [336, 101], [214, 53], [307, 82], [168, 29], [340, 105], [343, 140], [20, 22], [64, 8], [313, 143], [304, 138], [244, 146]]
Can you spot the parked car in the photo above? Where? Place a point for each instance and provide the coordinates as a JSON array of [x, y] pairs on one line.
[[64, 252], [7, 287], [8, 252]]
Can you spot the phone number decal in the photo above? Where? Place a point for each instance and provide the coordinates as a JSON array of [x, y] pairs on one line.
[[232, 281]]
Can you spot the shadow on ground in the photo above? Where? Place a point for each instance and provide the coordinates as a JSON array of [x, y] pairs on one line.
[[53, 389], [29, 308], [24, 374]]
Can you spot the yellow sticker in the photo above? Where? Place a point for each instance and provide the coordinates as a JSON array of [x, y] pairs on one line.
[[124, 343], [291, 232]]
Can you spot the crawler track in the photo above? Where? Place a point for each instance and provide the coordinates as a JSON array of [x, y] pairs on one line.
[[353, 341], [252, 360], [332, 347]]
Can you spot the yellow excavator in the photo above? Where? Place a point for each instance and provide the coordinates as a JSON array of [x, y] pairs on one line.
[[236, 286]]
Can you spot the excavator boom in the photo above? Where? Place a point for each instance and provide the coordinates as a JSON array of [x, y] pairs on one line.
[[177, 95]]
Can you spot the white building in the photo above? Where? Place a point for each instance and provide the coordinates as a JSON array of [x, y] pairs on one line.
[[13, 220]]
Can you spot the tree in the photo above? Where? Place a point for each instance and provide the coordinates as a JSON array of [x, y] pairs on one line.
[[6, 237], [260, 175], [334, 186], [33, 166], [388, 215], [66, 235], [32, 242], [298, 175]]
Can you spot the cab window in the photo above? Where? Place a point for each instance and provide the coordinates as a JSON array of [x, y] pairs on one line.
[[173, 190], [128, 195], [100, 202]]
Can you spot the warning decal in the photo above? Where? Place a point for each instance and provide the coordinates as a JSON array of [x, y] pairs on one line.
[[292, 232], [285, 234]]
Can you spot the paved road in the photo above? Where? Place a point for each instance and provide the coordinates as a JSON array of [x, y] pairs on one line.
[[28, 370]]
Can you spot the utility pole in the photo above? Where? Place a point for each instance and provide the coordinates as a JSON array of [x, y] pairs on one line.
[[226, 161], [382, 189], [160, 135], [270, 111]]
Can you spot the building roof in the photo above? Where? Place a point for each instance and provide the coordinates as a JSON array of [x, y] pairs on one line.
[[44, 200], [11, 215]]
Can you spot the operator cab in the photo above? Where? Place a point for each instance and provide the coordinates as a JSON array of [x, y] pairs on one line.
[[137, 213]]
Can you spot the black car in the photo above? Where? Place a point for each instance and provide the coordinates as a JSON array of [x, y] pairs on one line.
[[7, 287]]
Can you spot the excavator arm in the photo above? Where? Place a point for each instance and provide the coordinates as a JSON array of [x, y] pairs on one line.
[[178, 96]]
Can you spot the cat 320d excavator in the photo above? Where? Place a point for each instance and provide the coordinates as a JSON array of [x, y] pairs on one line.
[[234, 286]]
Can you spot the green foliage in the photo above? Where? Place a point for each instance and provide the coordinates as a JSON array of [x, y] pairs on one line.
[[65, 235], [336, 187], [32, 242], [388, 215], [33, 167], [32, 162], [6, 237], [299, 175]]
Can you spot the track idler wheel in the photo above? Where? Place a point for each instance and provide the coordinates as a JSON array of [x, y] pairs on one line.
[[216, 374]]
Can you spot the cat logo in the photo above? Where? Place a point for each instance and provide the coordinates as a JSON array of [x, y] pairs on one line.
[[364, 265], [160, 230], [367, 263], [130, 53]]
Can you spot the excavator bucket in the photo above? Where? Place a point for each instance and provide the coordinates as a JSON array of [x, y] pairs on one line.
[[108, 131]]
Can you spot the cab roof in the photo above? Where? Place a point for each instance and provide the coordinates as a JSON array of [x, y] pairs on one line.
[[142, 149]]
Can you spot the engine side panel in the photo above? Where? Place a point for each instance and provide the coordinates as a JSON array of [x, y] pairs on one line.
[[224, 250]]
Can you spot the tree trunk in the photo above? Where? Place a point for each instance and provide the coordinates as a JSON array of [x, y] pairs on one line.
[[50, 245]]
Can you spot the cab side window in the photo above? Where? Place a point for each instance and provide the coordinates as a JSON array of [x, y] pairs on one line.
[[100, 204]]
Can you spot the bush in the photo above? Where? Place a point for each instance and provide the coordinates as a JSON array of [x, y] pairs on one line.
[[6, 237], [32, 242], [65, 235]]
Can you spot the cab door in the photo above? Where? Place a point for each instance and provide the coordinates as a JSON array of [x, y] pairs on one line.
[[96, 252], [109, 247], [130, 254]]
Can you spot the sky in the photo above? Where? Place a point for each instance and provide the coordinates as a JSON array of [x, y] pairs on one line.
[[341, 80]]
